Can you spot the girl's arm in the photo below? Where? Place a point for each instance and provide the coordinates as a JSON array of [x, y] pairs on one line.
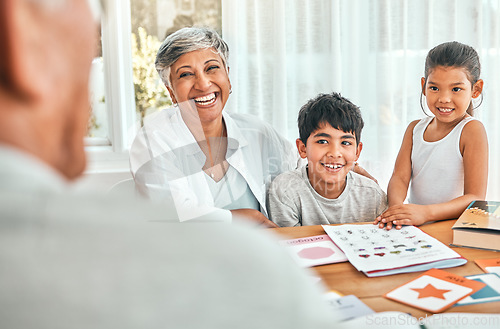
[[400, 179], [474, 150]]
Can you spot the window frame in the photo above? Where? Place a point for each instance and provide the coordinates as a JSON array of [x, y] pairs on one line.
[[112, 155]]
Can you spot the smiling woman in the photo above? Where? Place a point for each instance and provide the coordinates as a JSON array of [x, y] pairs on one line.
[[196, 154], [202, 76]]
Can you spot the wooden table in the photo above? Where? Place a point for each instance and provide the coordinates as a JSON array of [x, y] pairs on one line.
[[343, 277]]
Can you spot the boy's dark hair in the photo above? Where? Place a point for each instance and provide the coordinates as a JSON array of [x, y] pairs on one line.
[[454, 54], [337, 111]]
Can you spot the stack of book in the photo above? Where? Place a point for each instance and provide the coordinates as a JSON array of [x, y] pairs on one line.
[[479, 226]]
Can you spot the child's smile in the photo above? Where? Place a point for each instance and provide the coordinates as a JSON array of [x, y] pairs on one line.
[[331, 154], [444, 110], [333, 166], [448, 92]]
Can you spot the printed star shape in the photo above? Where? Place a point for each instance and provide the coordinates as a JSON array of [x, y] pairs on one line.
[[430, 291]]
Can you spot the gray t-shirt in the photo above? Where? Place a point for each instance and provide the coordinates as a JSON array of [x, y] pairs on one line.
[[293, 201]]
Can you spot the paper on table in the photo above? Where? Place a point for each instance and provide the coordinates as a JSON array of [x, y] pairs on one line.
[[400, 320], [491, 265], [314, 250], [348, 307], [490, 293], [434, 290]]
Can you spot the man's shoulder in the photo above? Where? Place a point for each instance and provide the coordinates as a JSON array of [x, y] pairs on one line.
[[90, 241], [84, 213]]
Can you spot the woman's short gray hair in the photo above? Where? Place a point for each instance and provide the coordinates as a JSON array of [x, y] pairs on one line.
[[186, 40]]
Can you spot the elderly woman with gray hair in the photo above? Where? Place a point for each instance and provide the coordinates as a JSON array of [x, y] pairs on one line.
[[198, 155]]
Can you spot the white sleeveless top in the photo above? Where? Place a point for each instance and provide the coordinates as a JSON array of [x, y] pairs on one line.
[[232, 191], [437, 167]]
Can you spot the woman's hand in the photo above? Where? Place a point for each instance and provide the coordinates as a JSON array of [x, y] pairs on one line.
[[254, 216], [403, 214], [360, 170]]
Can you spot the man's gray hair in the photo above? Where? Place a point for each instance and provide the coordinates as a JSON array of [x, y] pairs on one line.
[[186, 40]]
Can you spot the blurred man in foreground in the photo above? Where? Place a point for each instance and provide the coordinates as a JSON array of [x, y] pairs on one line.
[[76, 261]]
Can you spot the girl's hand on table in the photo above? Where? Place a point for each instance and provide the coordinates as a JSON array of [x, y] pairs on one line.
[[403, 214]]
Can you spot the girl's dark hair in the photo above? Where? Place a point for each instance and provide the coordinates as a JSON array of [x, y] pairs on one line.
[[333, 109], [454, 54]]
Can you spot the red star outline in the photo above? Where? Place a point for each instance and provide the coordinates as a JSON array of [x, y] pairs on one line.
[[430, 291]]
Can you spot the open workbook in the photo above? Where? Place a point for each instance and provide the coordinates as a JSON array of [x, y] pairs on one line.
[[379, 252]]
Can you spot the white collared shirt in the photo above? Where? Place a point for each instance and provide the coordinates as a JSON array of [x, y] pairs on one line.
[[166, 161], [232, 191]]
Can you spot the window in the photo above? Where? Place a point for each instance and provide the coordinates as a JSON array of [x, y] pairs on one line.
[[109, 152], [124, 84], [152, 21], [285, 52]]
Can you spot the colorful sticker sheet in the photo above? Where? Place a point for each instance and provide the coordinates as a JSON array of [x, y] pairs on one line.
[[370, 248]]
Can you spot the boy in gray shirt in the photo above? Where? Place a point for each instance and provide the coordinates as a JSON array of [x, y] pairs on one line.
[[326, 190]]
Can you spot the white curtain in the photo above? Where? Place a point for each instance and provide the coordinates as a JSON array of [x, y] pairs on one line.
[[284, 52]]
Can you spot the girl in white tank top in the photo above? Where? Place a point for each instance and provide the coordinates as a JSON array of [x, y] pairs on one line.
[[443, 159]]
